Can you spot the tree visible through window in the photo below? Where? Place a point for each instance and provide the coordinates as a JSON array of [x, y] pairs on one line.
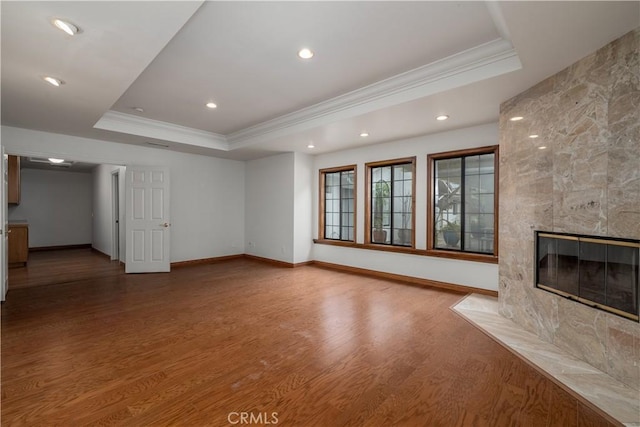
[[463, 205], [391, 203], [338, 200]]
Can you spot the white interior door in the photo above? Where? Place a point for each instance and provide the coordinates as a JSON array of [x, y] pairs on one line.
[[4, 227], [147, 219]]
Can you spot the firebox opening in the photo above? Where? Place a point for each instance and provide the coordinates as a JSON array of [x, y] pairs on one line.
[[597, 271]]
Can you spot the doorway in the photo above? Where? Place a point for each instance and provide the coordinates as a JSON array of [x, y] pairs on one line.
[[72, 210]]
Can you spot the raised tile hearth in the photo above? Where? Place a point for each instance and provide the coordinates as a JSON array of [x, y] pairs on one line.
[[611, 396]]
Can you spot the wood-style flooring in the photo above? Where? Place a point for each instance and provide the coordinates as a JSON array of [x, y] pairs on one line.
[[241, 340]]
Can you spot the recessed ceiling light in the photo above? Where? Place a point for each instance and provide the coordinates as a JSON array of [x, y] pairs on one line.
[[311, 145], [364, 134], [211, 105], [305, 53], [533, 136], [65, 26], [139, 109], [53, 81], [516, 118], [56, 161], [542, 147], [442, 117]]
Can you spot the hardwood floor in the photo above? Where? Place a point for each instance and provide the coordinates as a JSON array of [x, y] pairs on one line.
[[85, 344], [62, 266]]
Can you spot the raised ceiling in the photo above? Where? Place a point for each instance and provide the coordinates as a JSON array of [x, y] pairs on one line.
[[243, 55], [387, 68]]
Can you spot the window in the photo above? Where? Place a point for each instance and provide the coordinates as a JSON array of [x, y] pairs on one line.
[[337, 203], [390, 200], [463, 200]]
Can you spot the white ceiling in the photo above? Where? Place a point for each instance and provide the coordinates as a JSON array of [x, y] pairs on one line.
[[387, 68]]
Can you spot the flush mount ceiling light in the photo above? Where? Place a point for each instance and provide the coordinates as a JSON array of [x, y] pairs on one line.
[[139, 109], [305, 53], [53, 81], [542, 147], [533, 136], [55, 161], [516, 118], [211, 105], [311, 145], [66, 26], [442, 117], [364, 134]]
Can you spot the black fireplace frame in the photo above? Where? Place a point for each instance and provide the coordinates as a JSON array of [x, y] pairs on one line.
[[608, 241]]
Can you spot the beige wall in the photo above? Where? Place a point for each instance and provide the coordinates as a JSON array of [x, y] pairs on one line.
[[586, 181]]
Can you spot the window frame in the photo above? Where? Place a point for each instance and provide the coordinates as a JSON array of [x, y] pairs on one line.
[[322, 199], [369, 200], [431, 238]]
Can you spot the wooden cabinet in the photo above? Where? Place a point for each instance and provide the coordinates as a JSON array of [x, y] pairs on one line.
[[18, 244], [13, 178]]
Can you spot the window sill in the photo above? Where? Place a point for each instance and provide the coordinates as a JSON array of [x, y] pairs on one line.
[[489, 259], [464, 256], [335, 242]]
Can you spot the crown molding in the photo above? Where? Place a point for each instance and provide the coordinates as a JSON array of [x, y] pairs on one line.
[[478, 63], [127, 123]]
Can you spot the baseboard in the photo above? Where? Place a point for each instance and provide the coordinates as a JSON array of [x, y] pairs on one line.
[[99, 252], [231, 257], [270, 261], [405, 279], [302, 264], [201, 261], [60, 247], [331, 266]]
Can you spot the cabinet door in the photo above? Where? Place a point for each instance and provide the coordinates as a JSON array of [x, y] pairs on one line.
[[18, 244], [13, 178]]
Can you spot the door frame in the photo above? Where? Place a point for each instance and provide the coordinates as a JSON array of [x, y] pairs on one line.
[[4, 227], [115, 215]]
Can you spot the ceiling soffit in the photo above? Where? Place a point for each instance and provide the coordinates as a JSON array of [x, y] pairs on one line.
[[488, 60]]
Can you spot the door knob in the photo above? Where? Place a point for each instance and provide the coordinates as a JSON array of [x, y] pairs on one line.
[[165, 225]]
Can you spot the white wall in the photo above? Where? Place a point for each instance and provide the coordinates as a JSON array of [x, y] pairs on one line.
[[102, 226], [269, 222], [475, 274], [269, 207], [57, 206], [207, 193], [303, 205]]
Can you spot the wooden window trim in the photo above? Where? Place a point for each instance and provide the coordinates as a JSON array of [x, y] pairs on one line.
[[321, 203], [367, 198], [431, 250]]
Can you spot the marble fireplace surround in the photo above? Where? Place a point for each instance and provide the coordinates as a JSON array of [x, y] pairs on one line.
[[585, 181]]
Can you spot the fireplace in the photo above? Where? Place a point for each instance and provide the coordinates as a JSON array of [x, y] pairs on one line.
[[596, 271]]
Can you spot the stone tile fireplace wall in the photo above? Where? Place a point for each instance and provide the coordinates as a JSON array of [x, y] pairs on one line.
[[586, 181]]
